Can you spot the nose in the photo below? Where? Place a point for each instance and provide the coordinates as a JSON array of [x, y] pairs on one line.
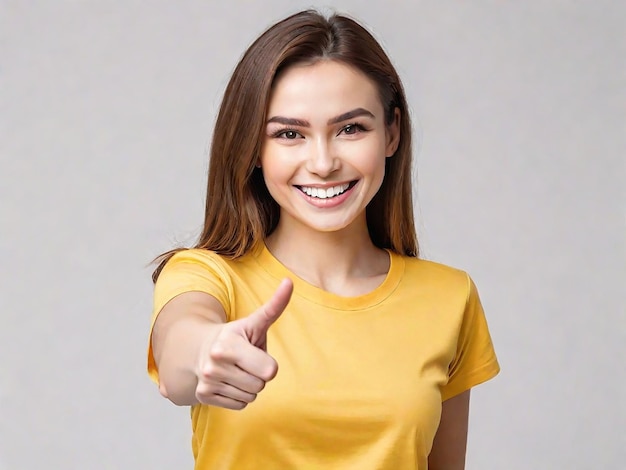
[[321, 160]]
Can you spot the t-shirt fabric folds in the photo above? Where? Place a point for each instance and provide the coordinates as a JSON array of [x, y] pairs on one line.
[[361, 380]]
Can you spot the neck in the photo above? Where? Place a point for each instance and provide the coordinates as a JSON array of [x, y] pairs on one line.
[[333, 261]]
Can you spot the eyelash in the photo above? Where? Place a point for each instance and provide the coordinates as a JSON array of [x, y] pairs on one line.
[[359, 127], [280, 133]]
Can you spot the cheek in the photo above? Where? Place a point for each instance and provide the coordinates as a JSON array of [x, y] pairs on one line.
[[372, 160], [373, 164], [273, 155], [276, 170]]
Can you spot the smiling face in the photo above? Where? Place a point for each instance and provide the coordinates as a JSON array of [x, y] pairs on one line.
[[325, 145]]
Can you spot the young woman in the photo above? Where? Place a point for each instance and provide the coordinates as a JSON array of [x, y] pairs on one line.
[[303, 329]]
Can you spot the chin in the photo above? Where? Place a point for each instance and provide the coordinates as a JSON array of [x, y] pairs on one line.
[[329, 227]]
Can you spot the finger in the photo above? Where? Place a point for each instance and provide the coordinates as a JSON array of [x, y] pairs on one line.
[[214, 372], [258, 364], [248, 358], [246, 382], [209, 392], [222, 402], [259, 322]]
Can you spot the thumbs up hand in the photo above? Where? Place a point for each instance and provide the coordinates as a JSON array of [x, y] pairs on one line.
[[234, 365]]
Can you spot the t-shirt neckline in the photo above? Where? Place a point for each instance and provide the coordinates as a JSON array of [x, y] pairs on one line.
[[302, 288]]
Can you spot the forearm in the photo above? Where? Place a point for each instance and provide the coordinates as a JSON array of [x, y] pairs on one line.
[[177, 351]]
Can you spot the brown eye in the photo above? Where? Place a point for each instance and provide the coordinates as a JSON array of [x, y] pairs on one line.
[[352, 129], [287, 134]]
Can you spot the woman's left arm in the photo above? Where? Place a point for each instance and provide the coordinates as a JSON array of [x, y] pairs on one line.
[[448, 452]]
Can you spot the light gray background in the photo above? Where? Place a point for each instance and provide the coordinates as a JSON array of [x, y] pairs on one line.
[[106, 111]]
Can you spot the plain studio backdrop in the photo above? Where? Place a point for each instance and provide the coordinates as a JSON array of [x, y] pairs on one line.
[[106, 114]]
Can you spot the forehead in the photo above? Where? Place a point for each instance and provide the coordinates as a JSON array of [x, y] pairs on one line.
[[325, 88]]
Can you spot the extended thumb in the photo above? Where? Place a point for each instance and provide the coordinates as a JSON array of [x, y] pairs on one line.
[[259, 322]]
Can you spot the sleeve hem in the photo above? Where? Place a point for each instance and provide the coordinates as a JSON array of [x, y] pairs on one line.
[[467, 381]]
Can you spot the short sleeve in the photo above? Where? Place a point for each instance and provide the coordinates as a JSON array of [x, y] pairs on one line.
[[475, 360], [188, 271]]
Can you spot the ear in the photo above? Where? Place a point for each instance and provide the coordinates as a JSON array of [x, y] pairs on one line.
[[392, 134]]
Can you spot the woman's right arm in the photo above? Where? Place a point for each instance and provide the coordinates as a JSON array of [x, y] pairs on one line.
[[182, 329], [201, 358]]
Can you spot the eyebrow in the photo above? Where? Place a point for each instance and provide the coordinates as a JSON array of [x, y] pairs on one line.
[[358, 112]]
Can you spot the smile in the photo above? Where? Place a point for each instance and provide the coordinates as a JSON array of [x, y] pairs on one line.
[[326, 193]]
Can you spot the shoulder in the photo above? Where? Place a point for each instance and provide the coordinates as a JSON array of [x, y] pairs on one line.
[[436, 274], [196, 254], [206, 258], [195, 265], [197, 270]]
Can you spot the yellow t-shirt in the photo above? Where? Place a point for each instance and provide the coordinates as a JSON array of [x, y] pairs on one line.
[[361, 379]]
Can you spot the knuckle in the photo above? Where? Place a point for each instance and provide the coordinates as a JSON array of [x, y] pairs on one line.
[[203, 398], [209, 370], [204, 390], [217, 351]]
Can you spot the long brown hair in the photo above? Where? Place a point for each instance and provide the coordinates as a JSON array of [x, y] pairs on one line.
[[239, 210]]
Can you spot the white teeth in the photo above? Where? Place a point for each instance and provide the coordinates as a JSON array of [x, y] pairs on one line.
[[322, 193]]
